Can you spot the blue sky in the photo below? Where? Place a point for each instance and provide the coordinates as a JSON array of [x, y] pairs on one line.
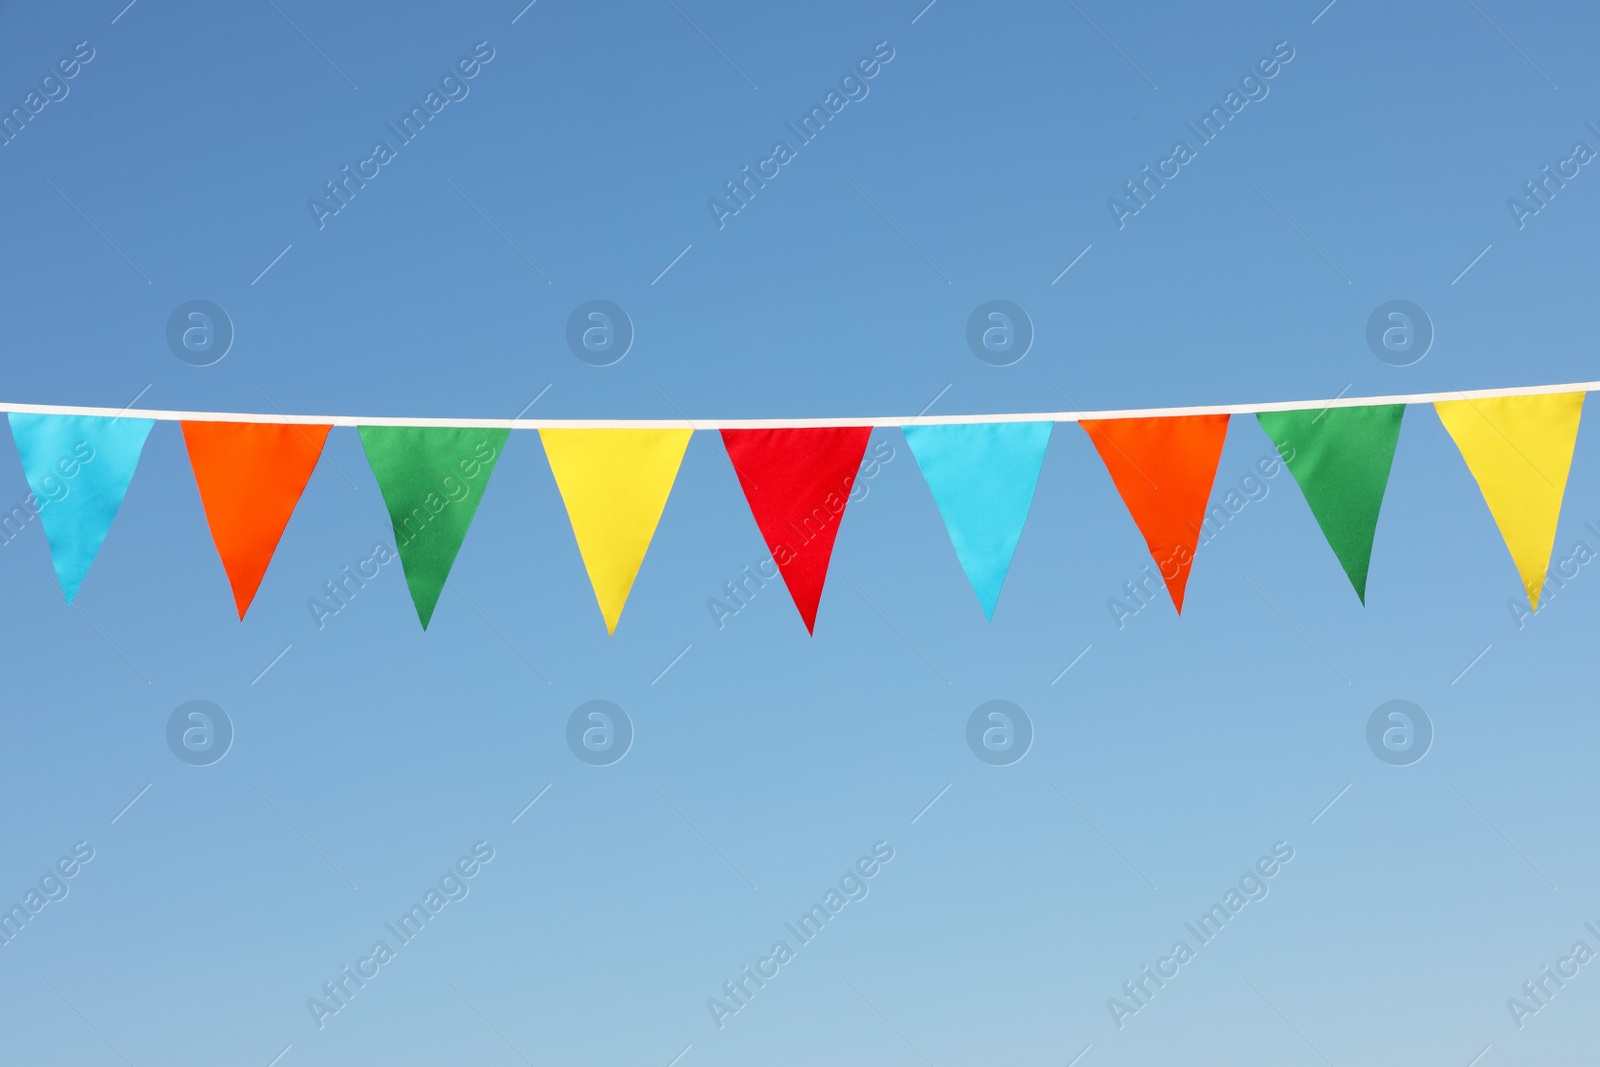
[[577, 164]]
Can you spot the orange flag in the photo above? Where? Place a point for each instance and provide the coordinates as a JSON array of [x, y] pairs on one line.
[[1164, 467], [251, 475]]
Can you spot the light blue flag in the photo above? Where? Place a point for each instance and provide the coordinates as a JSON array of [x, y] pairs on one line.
[[78, 467], [982, 477]]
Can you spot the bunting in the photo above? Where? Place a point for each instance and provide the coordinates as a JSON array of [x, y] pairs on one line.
[[797, 483], [1340, 458], [798, 476], [982, 477], [615, 484], [1519, 450], [1164, 468], [78, 468], [250, 476], [432, 479]]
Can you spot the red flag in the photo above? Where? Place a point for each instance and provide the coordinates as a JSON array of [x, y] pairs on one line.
[[251, 475], [1164, 467], [797, 482]]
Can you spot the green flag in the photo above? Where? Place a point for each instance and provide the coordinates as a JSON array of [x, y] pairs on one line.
[[432, 479], [1340, 457]]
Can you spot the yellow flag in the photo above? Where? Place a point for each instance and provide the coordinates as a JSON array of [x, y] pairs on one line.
[[615, 484], [1519, 448]]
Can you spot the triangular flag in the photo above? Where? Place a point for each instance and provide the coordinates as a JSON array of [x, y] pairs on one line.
[[432, 479], [615, 484], [1164, 467], [982, 477], [78, 467], [250, 476], [797, 482], [1340, 458], [1519, 448]]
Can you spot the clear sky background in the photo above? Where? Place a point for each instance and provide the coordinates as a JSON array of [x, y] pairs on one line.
[[368, 756]]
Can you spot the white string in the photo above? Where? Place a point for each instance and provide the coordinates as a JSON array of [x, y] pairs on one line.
[[771, 424]]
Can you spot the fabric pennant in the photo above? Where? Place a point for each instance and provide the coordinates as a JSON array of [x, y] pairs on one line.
[[982, 476], [1340, 458], [78, 468], [1164, 468], [797, 482], [432, 479], [1519, 450], [615, 484], [250, 476]]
